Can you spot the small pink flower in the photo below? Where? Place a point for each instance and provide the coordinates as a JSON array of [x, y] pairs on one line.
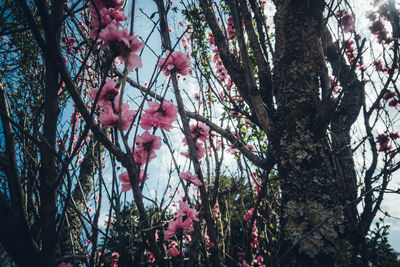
[[216, 211], [63, 264], [175, 61], [190, 177], [251, 148], [112, 33], [145, 146], [245, 264], [200, 131], [346, 20], [178, 225], [230, 28], [109, 116], [151, 258], [107, 94], [185, 210], [173, 251], [388, 95], [199, 150], [126, 183], [134, 60], [394, 135], [394, 103], [108, 4], [159, 116]]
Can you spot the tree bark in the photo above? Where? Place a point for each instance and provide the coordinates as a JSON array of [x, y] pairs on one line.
[[312, 221], [72, 226]]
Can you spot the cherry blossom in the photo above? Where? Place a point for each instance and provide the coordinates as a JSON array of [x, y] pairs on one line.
[[126, 184], [190, 177], [112, 33], [145, 146], [159, 116], [200, 131], [383, 141], [109, 116], [199, 150], [346, 20], [107, 94], [178, 225], [173, 252], [185, 210], [230, 29], [175, 61], [134, 60]]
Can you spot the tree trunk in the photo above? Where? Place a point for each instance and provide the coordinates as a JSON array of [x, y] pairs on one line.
[[72, 227], [312, 221]]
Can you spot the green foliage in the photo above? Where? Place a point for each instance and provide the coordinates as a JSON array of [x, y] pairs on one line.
[[379, 251]]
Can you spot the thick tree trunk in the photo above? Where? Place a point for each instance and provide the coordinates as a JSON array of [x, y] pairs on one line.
[[312, 221], [72, 227]]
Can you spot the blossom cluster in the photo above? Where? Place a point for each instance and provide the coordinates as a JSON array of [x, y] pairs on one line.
[[183, 222], [346, 20], [176, 62], [200, 133], [106, 21], [378, 23], [384, 140], [391, 98], [187, 176], [108, 106]]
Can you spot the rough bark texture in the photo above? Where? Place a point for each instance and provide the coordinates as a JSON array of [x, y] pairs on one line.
[[312, 220], [72, 227]]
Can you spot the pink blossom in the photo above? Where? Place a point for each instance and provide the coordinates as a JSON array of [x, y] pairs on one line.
[[199, 150], [159, 116], [178, 225], [145, 146], [134, 60], [173, 252], [383, 141], [232, 149], [394, 135], [107, 15], [346, 20], [230, 28], [112, 33], [211, 40], [216, 211], [109, 116], [190, 177], [151, 258], [200, 131], [63, 264], [251, 148], [388, 95], [380, 31], [107, 94], [126, 183], [114, 261], [185, 210], [175, 61], [394, 103], [379, 65]]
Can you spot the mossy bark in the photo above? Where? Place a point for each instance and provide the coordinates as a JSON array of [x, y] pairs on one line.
[[312, 220]]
